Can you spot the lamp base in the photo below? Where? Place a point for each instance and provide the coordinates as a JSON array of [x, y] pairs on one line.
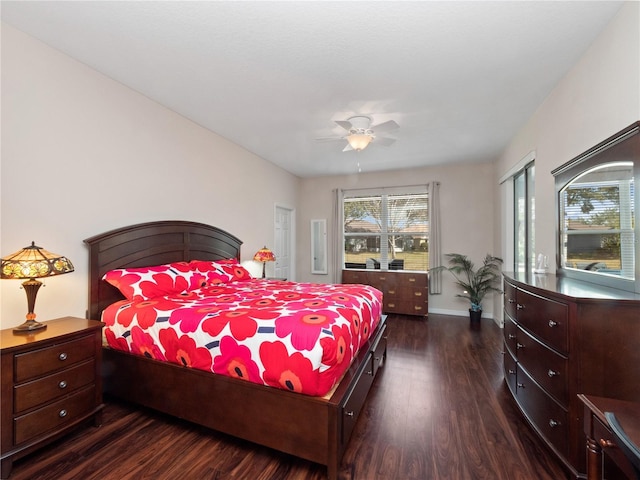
[[29, 326]]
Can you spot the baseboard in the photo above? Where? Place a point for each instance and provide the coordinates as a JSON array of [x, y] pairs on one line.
[[461, 313]]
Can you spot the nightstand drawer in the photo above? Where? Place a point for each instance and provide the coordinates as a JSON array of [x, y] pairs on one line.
[[55, 415], [46, 389], [47, 360]]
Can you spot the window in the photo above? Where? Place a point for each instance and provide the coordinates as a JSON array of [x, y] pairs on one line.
[[598, 215], [386, 229], [524, 216]]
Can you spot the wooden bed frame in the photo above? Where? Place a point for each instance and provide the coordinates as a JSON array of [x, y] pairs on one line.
[[316, 429]]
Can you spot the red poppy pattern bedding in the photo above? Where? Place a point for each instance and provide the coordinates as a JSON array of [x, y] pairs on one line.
[[300, 337]]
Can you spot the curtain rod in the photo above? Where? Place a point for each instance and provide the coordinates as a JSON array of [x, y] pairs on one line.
[[426, 185]]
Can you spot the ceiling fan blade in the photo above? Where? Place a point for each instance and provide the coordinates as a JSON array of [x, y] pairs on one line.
[[344, 124], [384, 127], [348, 148], [329, 139], [385, 141]]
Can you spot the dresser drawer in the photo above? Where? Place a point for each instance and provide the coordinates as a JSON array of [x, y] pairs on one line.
[[411, 280], [544, 412], [355, 276], [510, 370], [55, 415], [384, 279], [36, 392], [546, 366], [510, 334], [402, 292], [391, 305], [414, 296], [46, 360], [545, 318], [510, 293]]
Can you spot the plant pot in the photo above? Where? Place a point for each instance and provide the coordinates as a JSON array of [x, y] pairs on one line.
[[474, 316]]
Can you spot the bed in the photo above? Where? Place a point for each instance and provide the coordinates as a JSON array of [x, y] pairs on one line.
[[316, 428]]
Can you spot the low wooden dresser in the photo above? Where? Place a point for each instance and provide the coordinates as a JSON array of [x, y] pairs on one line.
[[562, 338], [403, 291], [51, 382]]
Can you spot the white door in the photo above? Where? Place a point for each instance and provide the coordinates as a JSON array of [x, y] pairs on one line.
[[284, 231]]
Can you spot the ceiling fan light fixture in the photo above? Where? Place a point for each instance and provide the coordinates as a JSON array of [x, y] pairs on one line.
[[359, 141]]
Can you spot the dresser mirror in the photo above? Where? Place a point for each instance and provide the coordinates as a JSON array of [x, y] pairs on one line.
[[598, 215]]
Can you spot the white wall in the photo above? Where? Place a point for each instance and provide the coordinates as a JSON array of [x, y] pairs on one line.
[[467, 198], [82, 154], [598, 97]]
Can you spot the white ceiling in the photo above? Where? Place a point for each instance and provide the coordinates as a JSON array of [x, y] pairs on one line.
[[460, 78]]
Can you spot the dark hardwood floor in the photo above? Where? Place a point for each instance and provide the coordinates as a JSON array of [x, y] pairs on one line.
[[439, 409]]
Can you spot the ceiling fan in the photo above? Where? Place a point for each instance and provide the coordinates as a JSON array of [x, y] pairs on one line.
[[362, 133]]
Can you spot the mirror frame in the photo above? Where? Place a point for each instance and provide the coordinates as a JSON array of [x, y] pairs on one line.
[[319, 246]]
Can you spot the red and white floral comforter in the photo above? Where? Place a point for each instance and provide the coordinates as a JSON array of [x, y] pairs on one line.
[[294, 336]]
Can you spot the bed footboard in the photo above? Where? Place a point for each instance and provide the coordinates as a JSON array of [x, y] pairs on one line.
[[316, 429]]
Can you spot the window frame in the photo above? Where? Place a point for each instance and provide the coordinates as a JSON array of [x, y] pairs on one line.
[[527, 173], [384, 234]]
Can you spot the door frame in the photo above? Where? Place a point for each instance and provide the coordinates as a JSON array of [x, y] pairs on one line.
[[292, 236]]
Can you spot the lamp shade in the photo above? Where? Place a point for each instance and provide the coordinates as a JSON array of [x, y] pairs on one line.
[[264, 255], [34, 262], [30, 263], [359, 141]]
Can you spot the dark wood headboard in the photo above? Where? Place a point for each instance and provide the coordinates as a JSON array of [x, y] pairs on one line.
[[147, 244]]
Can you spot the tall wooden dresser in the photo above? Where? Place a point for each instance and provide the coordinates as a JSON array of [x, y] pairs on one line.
[[403, 291], [562, 338]]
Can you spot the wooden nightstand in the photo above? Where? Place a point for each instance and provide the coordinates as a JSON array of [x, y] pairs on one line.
[[51, 382]]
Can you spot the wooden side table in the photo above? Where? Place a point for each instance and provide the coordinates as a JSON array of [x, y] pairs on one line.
[[51, 382], [600, 439]]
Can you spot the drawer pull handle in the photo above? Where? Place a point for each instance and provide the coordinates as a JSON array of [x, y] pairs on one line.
[[349, 413], [519, 306], [606, 443], [417, 308], [377, 359], [412, 279], [417, 294], [520, 385], [511, 300], [553, 324], [511, 336], [512, 372], [62, 357], [382, 279], [62, 413], [519, 345], [552, 373], [62, 384], [553, 423], [392, 292], [391, 305]]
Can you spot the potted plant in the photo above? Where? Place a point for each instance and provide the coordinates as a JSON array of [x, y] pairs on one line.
[[475, 284]]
